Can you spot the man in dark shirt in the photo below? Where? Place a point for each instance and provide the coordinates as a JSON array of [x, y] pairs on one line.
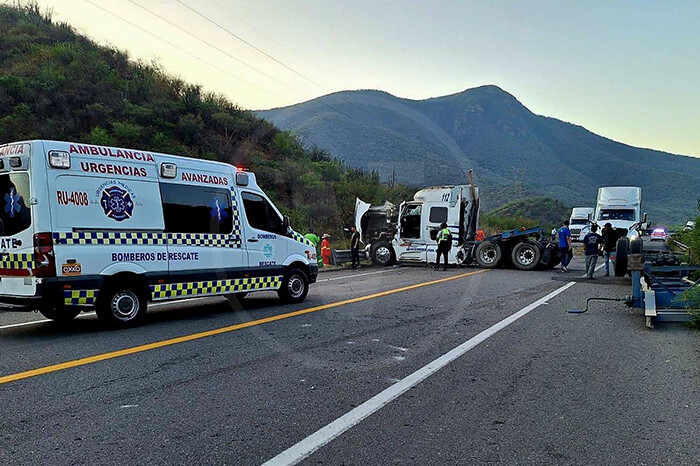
[[610, 237], [592, 243], [355, 247]]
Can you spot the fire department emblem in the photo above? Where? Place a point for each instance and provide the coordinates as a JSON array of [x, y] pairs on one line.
[[116, 203]]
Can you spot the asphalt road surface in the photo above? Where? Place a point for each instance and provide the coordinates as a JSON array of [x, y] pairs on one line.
[[379, 366]]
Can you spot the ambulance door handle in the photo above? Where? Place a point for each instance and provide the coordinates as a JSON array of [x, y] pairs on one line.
[[252, 240]]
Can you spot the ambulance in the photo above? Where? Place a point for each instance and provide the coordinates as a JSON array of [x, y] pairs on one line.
[[86, 227]]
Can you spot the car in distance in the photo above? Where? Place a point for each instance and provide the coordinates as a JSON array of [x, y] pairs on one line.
[[659, 234]]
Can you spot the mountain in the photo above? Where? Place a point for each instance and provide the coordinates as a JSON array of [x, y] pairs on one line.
[[514, 152], [57, 84]]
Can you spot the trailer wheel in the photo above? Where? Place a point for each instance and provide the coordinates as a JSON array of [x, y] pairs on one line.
[[488, 254], [60, 314], [382, 254], [526, 255], [621, 257]]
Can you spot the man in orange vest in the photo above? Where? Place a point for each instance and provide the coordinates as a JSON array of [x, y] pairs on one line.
[[480, 235], [326, 249]]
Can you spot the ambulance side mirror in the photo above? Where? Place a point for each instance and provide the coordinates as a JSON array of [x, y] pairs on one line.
[[589, 218], [285, 224], [644, 217]]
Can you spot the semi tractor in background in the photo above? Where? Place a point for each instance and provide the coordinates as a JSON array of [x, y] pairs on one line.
[[579, 220]]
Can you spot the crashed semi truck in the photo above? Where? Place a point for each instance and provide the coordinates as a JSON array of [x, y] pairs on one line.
[[406, 234]]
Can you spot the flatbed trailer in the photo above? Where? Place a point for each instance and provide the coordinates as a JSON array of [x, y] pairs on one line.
[[525, 249], [657, 286]]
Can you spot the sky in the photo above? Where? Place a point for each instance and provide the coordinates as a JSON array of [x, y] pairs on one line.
[[627, 70]]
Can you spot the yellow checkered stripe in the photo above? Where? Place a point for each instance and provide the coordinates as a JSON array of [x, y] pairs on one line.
[[213, 287], [302, 239], [79, 297], [148, 239], [17, 261]]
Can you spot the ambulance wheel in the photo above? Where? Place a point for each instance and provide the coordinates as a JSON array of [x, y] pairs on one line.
[[121, 306], [382, 254], [61, 314], [621, 257], [526, 255], [488, 254], [295, 287]]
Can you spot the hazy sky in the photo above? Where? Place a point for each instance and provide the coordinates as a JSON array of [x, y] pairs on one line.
[[628, 70]]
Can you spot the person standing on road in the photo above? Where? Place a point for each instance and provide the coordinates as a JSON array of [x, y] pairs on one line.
[[554, 233], [565, 248], [326, 249], [592, 243], [480, 235], [444, 244], [355, 246], [610, 237]]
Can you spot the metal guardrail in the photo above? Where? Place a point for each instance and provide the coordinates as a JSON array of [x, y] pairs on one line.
[[344, 256]]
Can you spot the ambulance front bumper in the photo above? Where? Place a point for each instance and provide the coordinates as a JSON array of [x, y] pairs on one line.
[[313, 273]]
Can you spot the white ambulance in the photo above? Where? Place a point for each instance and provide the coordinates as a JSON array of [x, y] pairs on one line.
[[87, 227]]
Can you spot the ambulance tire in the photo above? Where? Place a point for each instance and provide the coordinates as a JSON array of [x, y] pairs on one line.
[[488, 254], [61, 314], [121, 305], [295, 287]]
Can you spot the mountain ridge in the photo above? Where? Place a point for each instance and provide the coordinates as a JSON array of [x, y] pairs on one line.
[[435, 140]]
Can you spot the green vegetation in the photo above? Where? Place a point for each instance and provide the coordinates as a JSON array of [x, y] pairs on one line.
[[526, 212], [513, 152], [56, 84]]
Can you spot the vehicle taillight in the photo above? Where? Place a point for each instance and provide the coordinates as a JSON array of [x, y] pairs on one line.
[[44, 259]]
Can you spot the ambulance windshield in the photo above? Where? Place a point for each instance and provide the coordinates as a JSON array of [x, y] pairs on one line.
[[15, 215]]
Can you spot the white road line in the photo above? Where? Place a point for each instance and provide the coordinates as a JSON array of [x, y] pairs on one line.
[[34, 322], [596, 269], [87, 314], [321, 437], [354, 276]]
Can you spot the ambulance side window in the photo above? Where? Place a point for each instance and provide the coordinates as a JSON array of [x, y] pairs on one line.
[[196, 209], [260, 214]]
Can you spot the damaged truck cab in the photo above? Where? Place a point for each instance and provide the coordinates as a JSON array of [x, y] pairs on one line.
[[407, 234]]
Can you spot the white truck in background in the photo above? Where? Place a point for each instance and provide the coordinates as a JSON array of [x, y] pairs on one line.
[[579, 221], [620, 206]]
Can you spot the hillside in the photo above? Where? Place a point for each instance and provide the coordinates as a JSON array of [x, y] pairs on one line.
[[514, 152], [541, 209], [57, 84]]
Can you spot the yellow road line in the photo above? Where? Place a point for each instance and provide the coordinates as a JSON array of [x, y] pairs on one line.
[[231, 328]]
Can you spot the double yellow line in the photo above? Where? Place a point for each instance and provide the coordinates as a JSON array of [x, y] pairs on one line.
[[209, 333]]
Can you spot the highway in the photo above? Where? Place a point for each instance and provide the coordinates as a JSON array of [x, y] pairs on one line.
[[377, 366]]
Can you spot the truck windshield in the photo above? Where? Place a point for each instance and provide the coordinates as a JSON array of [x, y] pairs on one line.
[[15, 215], [410, 221], [616, 214], [579, 221]]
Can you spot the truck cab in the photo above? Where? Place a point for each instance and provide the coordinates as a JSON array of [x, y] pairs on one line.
[[621, 206], [408, 234], [578, 222]]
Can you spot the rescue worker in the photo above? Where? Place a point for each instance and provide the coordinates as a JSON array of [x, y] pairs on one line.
[[554, 233], [326, 249], [313, 237], [444, 241], [480, 235], [355, 246]]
